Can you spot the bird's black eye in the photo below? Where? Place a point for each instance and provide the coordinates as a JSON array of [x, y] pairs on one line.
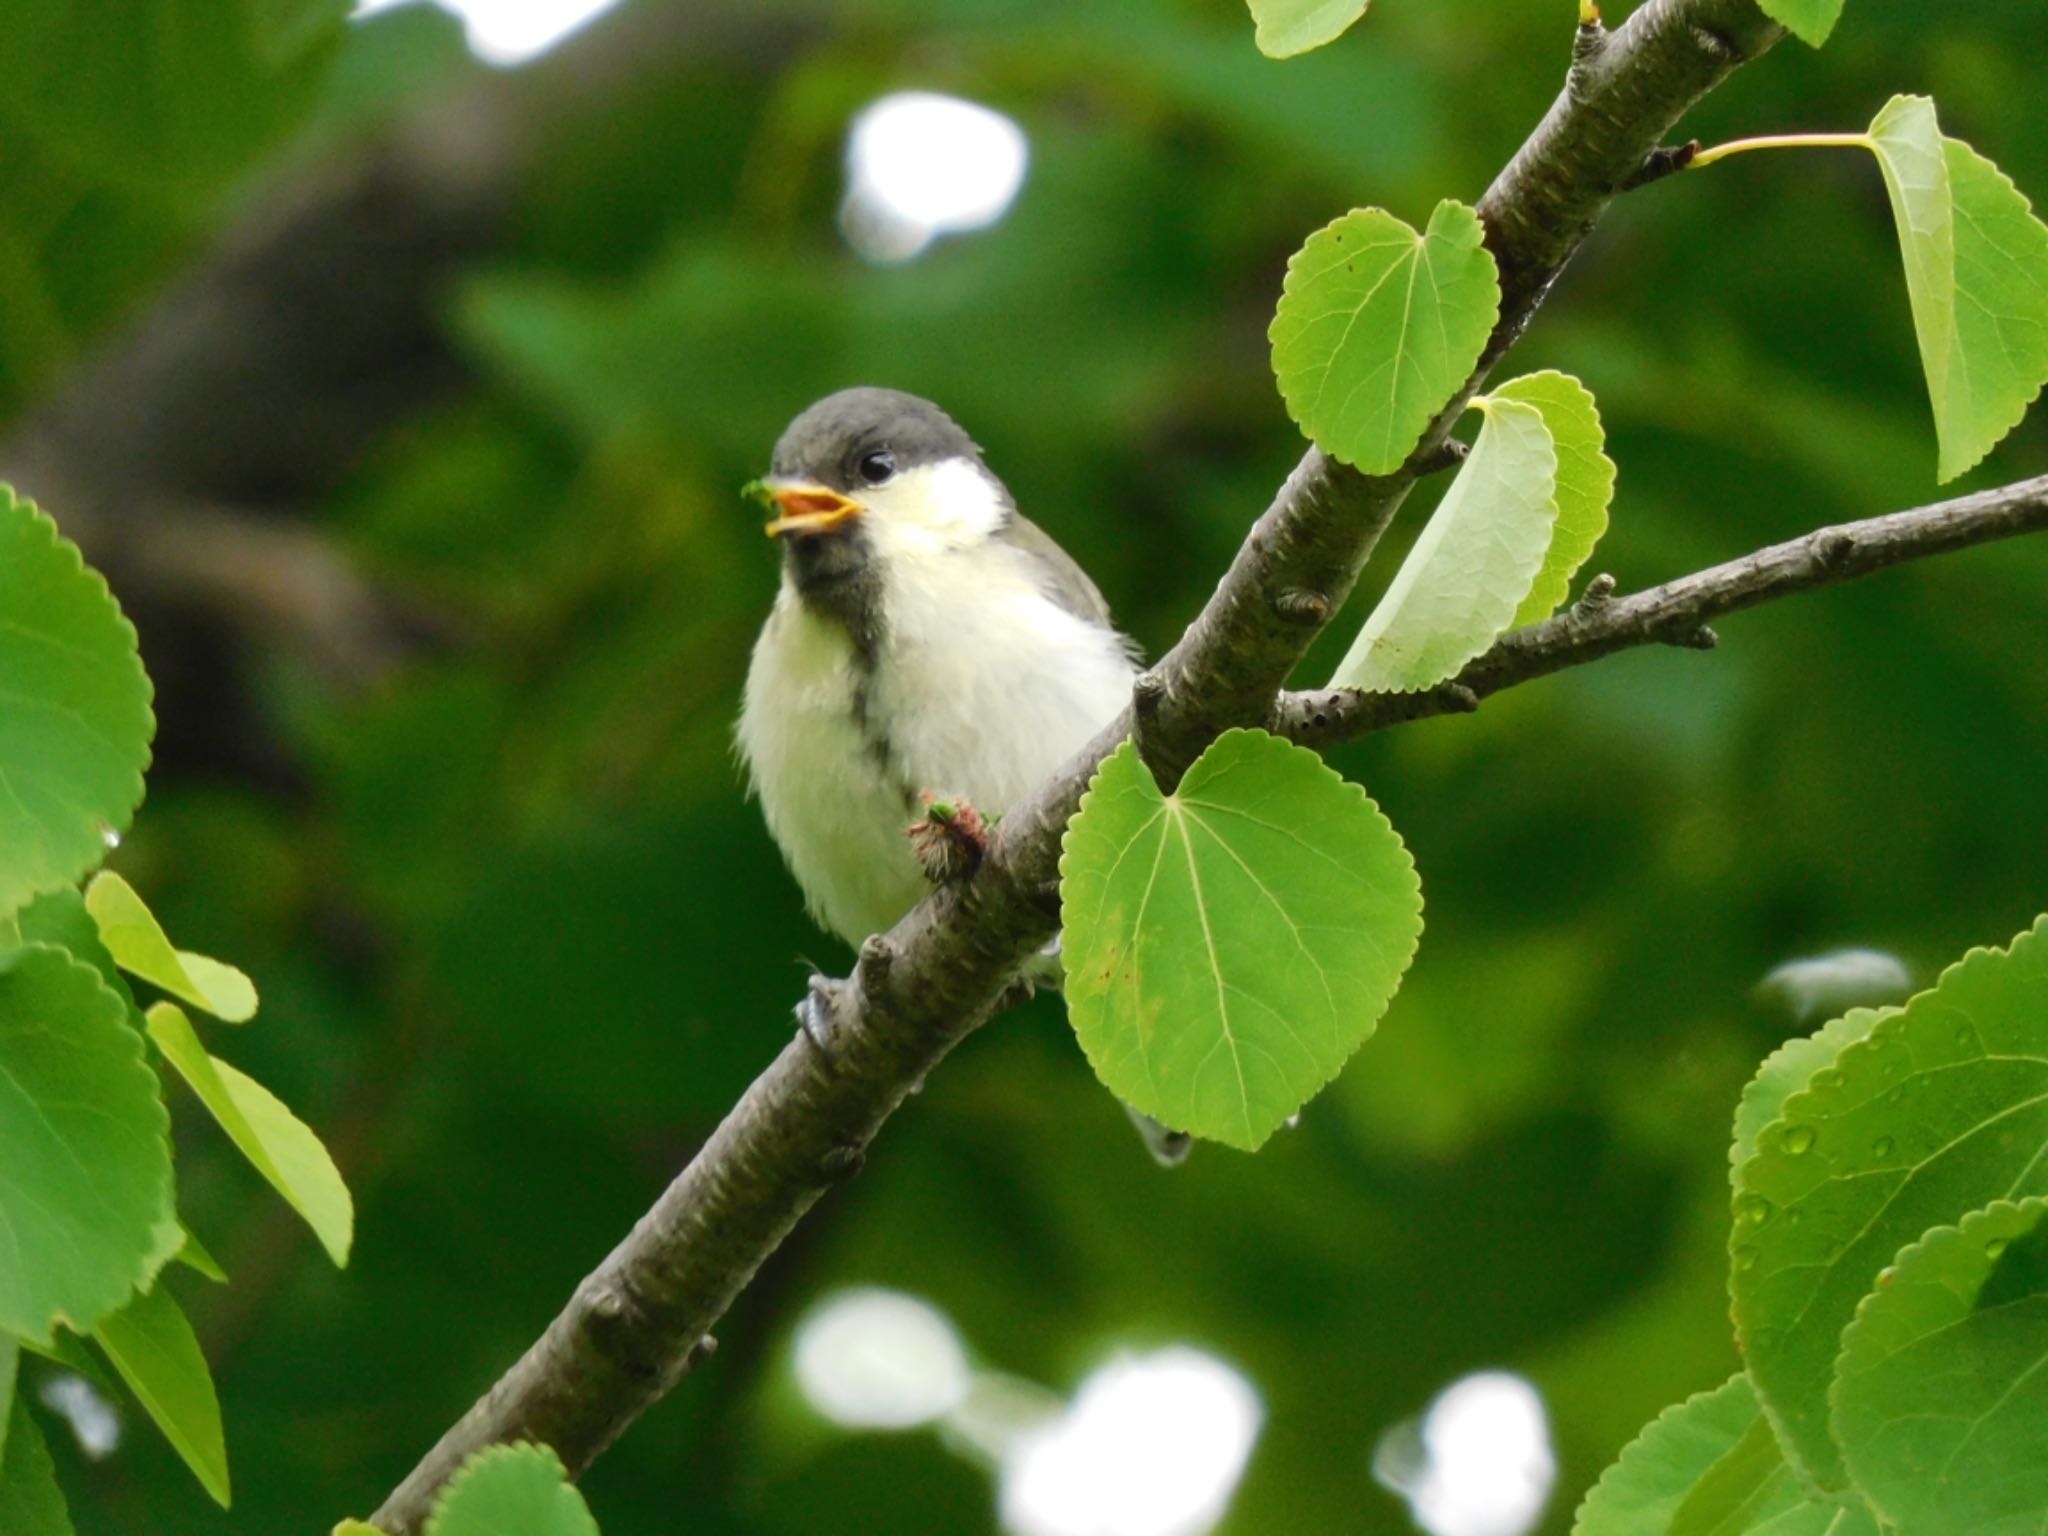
[[877, 467]]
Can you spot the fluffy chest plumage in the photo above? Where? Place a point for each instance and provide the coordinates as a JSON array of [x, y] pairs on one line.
[[974, 684]]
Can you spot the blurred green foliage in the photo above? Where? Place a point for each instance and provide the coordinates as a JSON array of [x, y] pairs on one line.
[[522, 941]]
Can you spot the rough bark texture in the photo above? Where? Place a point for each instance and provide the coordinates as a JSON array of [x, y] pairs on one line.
[[636, 1324]]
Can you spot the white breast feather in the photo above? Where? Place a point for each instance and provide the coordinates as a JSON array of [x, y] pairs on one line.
[[983, 687]]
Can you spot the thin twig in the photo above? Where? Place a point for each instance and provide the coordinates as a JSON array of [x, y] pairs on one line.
[[1677, 611]]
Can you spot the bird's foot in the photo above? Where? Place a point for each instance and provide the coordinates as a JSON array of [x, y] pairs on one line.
[[817, 1017], [950, 840]]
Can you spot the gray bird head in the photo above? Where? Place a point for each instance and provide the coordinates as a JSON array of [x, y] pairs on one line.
[[872, 478]]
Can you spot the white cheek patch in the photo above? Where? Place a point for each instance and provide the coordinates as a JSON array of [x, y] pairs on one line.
[[947, 505]]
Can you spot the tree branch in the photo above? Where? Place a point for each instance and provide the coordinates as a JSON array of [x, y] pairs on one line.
[[1675, 614], [638, 1322]]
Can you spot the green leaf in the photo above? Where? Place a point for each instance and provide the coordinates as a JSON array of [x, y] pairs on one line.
[[31, 1503], [356, 1528], [1787, 1070], [138, 945], [58, 918], [1941, 1391], [1472, 567], [85, 1158], [1710, 1465], [193, 1255], [153, 1347], [1288, 27], [274, 1140], [1229, 946], [1808, 20], [1378, 327], [1976, 262], [511, 1490], [10, 1367], [74, 709], [1585, 482], [1941, 1107]]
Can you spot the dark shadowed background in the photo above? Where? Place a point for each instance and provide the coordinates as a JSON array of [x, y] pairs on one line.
[[406, 402]]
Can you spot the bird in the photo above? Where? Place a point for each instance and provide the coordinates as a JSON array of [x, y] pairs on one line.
[[928, 643]]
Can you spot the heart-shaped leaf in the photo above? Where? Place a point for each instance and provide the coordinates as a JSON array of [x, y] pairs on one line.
[[157, 1354], [1228, 946], [1808, 20], [276, 1142], [1941, 1106], [1288, 27], [75, 723], [1941, 1391], [1710, 1467], [511, 1490], [1585, 482], [85, 1158], [138, 944], [1976, 262], [1473, 564], [1378, 327]]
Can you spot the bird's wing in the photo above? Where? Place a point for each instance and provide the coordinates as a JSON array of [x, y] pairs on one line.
[[1065, 582]]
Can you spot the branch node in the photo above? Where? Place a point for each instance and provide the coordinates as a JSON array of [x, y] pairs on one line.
[[1587, 46], [1448, 454], [817, 1017], [1832, 547], [841, 1163], [1298, 605], [1598, 594], [1148, 692], [1665, 160], [877, 955], [950, 840], [1699, 637], [700, 1351], [1457, 698], [1717, 46]]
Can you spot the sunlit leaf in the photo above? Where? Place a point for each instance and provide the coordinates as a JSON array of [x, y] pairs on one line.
[[1229, 946], [274, 1140], [1941, 1392], [1585, 481], [1808, 20], [58, 918], [1976, 262], [1940, 1107], [31, 1503], [85, 1159], [511, 1490], [1787, 1070], [1288, 27], [138, 945], [1710, 1467], [157, 1354], [1378, 327], [1473, 564], [74, 709]]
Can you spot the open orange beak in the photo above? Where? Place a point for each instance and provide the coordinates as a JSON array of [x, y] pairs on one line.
[[807, 508]]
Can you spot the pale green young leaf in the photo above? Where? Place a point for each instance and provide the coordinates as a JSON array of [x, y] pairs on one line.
[[1941, 1107], [31, 1503], [1808, 20], [511, 1490], [85, 1158], [153, 1348], [274, 1140], [1229, 946], [138, 944], [75, 722], [1709, 1466], [1378, 327], [1473, 564], [1288, 27], [356, 1528], [1976, 264], [1941, 1389], [1585, 482]]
